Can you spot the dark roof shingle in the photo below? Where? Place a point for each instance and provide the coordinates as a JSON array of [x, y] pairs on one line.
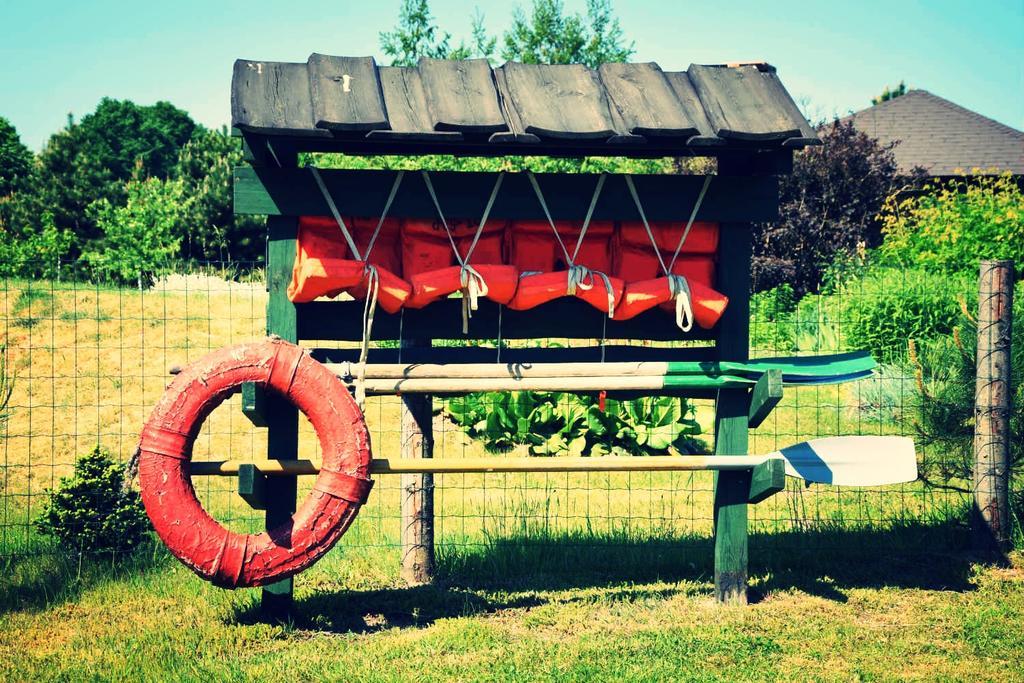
[[940, 136]]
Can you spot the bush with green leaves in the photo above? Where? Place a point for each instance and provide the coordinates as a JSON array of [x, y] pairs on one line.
[[950, 226], [568, 424], [142, 237], [94, 511], [942, 418], [886, 307]]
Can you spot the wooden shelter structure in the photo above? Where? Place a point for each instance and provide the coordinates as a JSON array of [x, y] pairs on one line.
[[739, 114]]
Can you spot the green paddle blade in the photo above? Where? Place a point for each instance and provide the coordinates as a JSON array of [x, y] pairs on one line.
[[830, 369], [853, 460]]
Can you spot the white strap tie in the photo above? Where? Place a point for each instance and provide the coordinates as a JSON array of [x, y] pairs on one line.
[[473, 287], [680, 289]]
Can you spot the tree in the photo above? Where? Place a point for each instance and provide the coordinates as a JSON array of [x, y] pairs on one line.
[[828, 207], [213, 231], [93, 159], [142, 237], [15, 160], [888, 94], [415, 36], [549, 36]]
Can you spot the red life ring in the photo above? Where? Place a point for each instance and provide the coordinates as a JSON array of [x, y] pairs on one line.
[[217, 554]]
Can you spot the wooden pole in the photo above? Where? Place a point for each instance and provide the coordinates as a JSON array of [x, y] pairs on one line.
[[667, 463], [283, 417], [732, 410], [417, 488], [991, 518]]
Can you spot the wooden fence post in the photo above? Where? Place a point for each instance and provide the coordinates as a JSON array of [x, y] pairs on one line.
[[991, 518], [417, 489]]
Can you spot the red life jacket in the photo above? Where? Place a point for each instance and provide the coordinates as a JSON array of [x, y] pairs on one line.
[[646, 285], [324, 265], [545, 272], [431, 268]]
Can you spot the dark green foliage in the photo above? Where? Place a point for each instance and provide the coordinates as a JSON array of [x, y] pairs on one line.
[[828, 207], [567, 424], [91, 160], [890, 93], [415, 36], [771, 326], [15, 160], [94, 511], [6, 386], [886, 307], [943, 419], [141, 237], [549, 36], [212, 231]]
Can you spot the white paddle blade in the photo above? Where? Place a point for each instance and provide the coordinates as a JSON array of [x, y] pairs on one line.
[[853, 460]]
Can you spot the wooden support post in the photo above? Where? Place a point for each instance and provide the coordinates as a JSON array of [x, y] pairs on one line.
[[282, 418], [991, 518], [417, 489], [732, 414], [254, 404], [252, 486], [766, 480], [764, 396]]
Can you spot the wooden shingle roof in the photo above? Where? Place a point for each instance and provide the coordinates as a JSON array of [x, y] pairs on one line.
[[350, 103]]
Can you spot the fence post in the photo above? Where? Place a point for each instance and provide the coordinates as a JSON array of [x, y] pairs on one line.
[[417, 489], [991, 517]]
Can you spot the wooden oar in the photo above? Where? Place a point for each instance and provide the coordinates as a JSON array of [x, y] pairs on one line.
[[840, 460], [814, 369]]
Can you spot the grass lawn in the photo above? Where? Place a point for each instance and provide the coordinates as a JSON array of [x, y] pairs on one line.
[[522, 612], [571, 577]]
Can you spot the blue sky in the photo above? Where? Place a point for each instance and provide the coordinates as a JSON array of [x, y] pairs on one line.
[[62, 57]]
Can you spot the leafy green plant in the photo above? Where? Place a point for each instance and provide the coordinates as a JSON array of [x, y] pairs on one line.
[[771, 313], [141, 237], [653, 425], [950, 226], [568, 424], [93, 510]]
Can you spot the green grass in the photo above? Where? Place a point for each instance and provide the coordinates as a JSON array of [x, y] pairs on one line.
[[896, 604], [563, 577]]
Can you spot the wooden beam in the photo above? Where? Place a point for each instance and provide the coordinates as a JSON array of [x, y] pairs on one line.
[[764, 396], [283, 417], [342, 321], [294, 192], [252, 486], [767, 479], [418, 566], [482, 354], [254, 404], [732, 489]]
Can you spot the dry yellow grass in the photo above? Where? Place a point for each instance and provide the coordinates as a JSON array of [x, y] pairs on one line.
[[89, 362]]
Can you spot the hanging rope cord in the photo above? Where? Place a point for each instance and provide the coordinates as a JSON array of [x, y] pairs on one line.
[[579, 276], [369, 272], [677, 284], [471, 282]]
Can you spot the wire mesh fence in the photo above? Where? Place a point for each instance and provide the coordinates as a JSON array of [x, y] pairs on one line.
[[86, 362]]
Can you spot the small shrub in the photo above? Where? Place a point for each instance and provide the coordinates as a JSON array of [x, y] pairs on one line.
[[950, 226], [93, 511], [943, 417]]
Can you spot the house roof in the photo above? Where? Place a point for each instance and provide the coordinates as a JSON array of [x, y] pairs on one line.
[[940, 136], [350, 103]]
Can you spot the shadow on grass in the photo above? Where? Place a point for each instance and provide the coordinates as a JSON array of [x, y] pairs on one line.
[[512, 572], [47, 578], [377, 610], [820, 561]]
